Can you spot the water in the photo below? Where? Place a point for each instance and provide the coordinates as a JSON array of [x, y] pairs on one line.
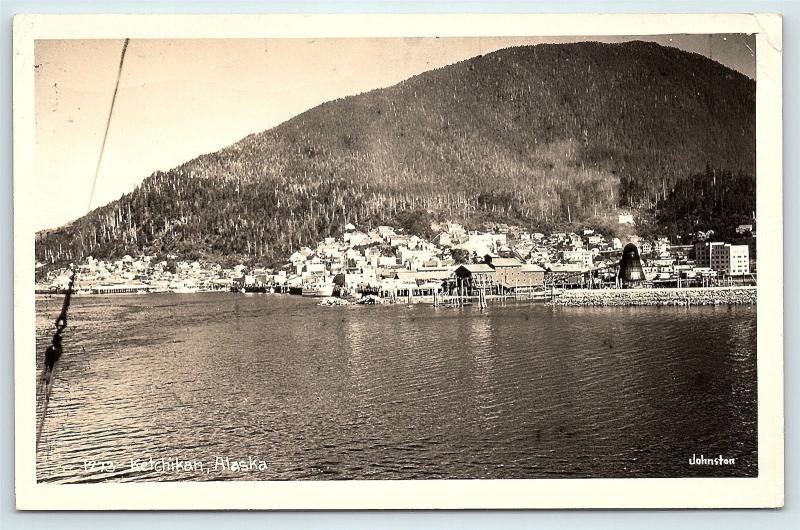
[[395, 392]]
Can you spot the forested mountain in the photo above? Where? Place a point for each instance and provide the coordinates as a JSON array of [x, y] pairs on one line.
[[711, 200], [536, 135]]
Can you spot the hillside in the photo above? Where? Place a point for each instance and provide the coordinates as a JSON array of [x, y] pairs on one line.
[[537, 135]]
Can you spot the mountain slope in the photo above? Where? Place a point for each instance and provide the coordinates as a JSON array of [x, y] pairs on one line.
[[535, 135]]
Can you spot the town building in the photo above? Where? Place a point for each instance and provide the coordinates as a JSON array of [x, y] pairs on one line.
[[661, 246], [726, 259], [443, 239], [594, 239], [386, 232], [511, 273], [474, 276], [583, 257]]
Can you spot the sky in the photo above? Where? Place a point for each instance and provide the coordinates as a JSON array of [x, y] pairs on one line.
[[179, 99]]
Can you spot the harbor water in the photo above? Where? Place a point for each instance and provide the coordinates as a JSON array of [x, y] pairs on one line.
[[518, 390]]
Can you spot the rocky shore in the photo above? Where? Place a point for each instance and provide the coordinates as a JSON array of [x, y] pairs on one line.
[[657, 297]]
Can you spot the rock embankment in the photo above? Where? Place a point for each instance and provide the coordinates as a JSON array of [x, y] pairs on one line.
[[656, 297]]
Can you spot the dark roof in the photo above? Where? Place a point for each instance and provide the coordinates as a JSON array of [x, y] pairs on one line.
[[630, 266], [476, 267]]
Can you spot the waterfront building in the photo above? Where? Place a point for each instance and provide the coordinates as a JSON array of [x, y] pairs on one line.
[[120, 289], [701, 253], [507, 271], [511, 273], [566, 275], [400, 289], [731, 260], [532, 275], [724, 258], [630, 273], [356, 280], [426, 276], [473, 276]]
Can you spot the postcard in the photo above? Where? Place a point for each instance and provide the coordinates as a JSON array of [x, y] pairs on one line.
[[398, 261]]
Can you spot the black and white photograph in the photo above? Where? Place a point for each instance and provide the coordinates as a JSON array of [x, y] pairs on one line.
[[386, 258]]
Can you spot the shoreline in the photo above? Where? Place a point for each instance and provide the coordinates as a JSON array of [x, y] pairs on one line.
[[687, 296], [738, 295]]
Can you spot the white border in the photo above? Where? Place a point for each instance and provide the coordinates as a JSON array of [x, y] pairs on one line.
[[764, 491]]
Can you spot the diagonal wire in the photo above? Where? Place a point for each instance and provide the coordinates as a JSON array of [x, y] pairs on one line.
[[108, 124], [48, 372]]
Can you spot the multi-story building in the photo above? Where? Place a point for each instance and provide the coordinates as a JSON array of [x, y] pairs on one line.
[[727, 259], [734, 261], [583, 257]]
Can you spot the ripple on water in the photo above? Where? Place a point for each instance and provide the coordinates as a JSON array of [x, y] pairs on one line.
[[516, 391]]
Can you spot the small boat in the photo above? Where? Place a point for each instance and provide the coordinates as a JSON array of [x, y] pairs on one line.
[[323, 289]]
